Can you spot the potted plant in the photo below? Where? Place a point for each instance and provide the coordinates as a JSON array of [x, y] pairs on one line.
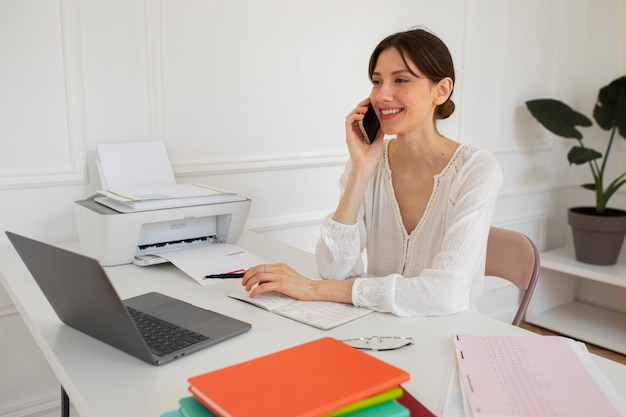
[[598, 231]]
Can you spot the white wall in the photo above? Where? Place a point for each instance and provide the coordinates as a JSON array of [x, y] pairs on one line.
[[251, 96]]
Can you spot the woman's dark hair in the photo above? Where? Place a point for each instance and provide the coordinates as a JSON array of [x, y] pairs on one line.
[[428, 53]]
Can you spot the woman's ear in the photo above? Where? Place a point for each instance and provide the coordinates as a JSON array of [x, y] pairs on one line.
[[443, 90]]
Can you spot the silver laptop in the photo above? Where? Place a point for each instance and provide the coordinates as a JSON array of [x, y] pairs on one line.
[[152, 327]]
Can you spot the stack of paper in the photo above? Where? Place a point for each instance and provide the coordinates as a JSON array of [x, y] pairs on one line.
[[167, 196], [138, 177], [128, 165], [532, 376], [342, 381]]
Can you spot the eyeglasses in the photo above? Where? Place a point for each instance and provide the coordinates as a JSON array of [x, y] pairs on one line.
[[379, 342]]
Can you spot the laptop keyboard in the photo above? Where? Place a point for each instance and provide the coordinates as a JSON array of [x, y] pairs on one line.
[[161, 336]]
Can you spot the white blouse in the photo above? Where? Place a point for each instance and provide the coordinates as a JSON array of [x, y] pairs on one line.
[[436, 269]]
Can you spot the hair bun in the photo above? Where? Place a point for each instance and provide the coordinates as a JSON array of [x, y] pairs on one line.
[[444, 110]]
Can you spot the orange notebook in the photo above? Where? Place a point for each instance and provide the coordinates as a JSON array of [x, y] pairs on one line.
[[306, 380]]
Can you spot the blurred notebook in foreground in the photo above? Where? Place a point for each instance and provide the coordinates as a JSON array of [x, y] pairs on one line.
[[533, 376], [307, 380]]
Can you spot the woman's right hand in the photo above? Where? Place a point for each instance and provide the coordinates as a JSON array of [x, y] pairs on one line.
[[364, 156]]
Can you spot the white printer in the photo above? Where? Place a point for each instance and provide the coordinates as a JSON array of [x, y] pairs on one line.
[[115, 234], [115, 238]]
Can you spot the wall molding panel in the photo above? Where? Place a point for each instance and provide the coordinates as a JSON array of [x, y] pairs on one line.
[[74, 171], [154, 60], [268, 164], [72, 59], [510, 121], [287, 222]]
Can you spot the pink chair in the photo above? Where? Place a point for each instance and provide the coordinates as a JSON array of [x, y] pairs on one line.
[[513, 256]]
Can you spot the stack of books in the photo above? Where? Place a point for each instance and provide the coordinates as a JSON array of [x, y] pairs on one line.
[[384, 404], [324, 377]]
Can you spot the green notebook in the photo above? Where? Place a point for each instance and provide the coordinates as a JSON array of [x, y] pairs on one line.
[[388, 409], [391, 394], [173, 413], [190, 407]]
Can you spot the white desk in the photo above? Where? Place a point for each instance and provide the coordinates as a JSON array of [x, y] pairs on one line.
[[103, 381]]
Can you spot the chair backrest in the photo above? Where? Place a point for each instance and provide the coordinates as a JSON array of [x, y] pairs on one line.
[[513, 256]]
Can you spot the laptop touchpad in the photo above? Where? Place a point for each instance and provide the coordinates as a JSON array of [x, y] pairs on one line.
[[180, 313]]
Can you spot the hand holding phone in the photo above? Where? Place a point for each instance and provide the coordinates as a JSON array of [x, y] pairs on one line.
[[369, 125]]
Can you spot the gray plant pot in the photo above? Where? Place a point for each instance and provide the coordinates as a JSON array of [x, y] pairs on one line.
[[597, 238]]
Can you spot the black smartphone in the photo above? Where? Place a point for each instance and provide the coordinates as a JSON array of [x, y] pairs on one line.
[[369, 125]]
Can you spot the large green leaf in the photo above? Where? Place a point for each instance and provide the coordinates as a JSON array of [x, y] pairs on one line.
[[610, 108], [579, 155], [558, 117]]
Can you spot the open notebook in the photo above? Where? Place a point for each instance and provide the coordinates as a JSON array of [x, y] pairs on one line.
[[321, 314]]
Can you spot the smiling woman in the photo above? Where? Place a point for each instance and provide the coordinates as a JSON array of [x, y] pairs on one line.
[[419, 204], [251, 96], [430, 59]]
